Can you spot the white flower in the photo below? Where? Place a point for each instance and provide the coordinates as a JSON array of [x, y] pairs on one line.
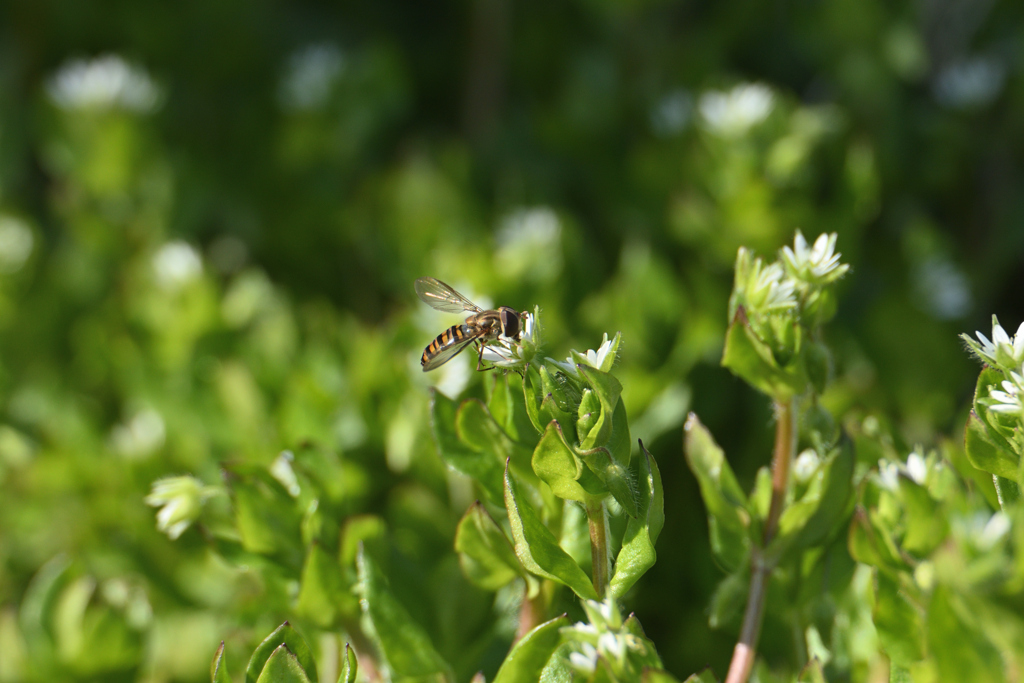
[[762, 289], [182, 499], [611, 644], [505, 352], [1003, 351], [602, 359], [735, 112], [140, 436], [176, 264], [16, 242], [103, 83], [805, 465], [585, 660], [817, 265], [312, 74], [917, 467], [1011, 398]]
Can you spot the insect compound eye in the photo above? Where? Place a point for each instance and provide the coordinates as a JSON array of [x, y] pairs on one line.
[[510, 323]]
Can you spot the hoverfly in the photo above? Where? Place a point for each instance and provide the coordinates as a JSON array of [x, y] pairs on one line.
[[481, 328]]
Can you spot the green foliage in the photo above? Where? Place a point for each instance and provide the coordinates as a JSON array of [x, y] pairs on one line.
[[206, 258]]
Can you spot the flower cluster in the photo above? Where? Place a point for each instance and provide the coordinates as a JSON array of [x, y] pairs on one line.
[[608, 639], [780, 301], [1003, 352], [1002, 397]]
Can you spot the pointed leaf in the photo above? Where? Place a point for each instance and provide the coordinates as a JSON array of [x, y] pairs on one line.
[[527, 657], [705, 676], [349, 666], [728, 515], [637, 554], [297, 647], [402, 641], [812, 673], [283, 667], [485, 554], [218, 670], [537, 547]]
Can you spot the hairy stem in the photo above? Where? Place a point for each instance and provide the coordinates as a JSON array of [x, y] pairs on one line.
[[597, 520], [785, 444]]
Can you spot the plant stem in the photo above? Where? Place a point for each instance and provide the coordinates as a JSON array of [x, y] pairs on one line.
[[597, 520], [760, 570], [531, 613]]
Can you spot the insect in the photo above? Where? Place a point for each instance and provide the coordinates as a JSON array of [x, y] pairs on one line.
[[481, 327]]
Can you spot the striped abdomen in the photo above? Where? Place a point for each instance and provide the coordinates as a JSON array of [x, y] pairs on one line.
[[453, 335]]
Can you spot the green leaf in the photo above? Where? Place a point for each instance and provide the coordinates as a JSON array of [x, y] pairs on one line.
[[218, 670], [812, 673], [528, 656], [752, 360], [537, 547], [607, 389], [485, 554], [265, 514], [662, 676], [988, 451], [548, 400], [647, 657], [729, 597], [613, 477], [925, 523], [817, 514], [482, 468], [349, 666], [705, 676], [728, 516], [961, 650], [401, 640], [321, 588], [283, 667], [637, 554], [900, 625], [478, 430], [367, 531], [296, 647], [871, 544], [557, 466]]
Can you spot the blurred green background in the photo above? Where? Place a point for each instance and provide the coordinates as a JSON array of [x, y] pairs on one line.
[[212, 214]]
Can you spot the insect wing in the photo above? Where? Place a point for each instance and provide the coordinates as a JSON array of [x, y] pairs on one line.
[[442, 297], [447, 353]]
